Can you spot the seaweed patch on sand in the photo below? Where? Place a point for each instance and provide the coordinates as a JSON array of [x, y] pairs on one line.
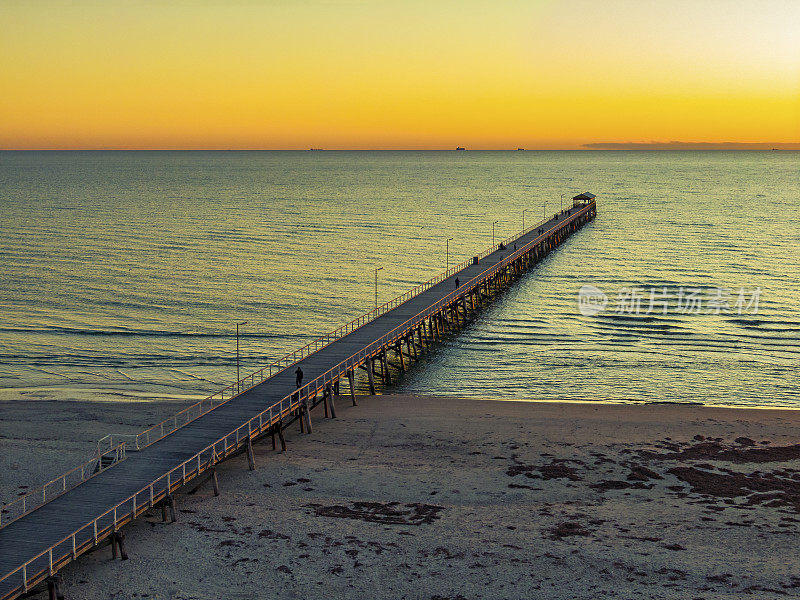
[[389, 513], [779, 489]]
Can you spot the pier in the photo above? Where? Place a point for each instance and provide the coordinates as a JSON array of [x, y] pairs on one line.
[[131, 475]]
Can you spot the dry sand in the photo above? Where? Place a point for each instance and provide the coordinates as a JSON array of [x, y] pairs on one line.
[[408, 497]]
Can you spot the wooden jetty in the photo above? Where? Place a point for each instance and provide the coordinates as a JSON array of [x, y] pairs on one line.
[[132, 475]]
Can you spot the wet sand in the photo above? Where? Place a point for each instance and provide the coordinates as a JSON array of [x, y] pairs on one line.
[[410, 497]]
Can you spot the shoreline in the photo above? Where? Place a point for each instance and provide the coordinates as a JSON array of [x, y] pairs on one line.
[[121, 395], [431, 497]]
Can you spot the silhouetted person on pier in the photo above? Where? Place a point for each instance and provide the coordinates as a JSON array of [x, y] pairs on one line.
[[299, 376], [502, 246], [515, 247], [458, 283]]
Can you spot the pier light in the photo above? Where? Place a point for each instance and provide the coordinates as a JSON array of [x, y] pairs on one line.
[[523, 218], [493, 224], [447, 246], [238, 379], [376, 286]]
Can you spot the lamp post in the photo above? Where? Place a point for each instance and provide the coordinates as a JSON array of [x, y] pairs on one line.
[[493, 224], [562, 202], [544, 212], [376, 286], [237, 355], [523, 218], [447, 267]]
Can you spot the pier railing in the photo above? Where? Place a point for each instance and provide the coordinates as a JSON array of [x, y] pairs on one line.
[[125, 511], [197, 410]]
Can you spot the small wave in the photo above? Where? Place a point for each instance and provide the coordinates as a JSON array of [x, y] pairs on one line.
[[666, 328], [146, 333], [633, 318], [766, 325]]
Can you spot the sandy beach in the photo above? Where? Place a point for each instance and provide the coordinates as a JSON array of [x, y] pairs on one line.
[[420, 497]]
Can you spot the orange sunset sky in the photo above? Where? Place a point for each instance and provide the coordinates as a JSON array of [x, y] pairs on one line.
[[292, 74]]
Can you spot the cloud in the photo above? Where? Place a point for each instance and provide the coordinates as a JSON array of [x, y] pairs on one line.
[[691, 146]]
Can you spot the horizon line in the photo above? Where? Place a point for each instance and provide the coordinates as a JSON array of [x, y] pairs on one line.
[[593, 147]]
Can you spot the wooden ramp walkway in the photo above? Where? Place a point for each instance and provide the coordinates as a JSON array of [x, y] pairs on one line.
[[36, 545]]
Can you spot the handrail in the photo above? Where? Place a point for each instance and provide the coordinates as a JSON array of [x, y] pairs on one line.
[[19, 507], [197, 410], [254, 426]]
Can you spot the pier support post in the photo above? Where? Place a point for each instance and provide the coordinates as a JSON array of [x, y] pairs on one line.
[[331, 405], [280, 436], [305, 414], [168, 502], [351, 377], [54, 582], [399, 349], [277, 428], [387, 380], [371, 375], [215, 481], [118, 541], [326, 402], [336, 387], [251, 457]]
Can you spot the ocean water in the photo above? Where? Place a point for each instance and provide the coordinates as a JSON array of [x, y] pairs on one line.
[[125, 273]]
